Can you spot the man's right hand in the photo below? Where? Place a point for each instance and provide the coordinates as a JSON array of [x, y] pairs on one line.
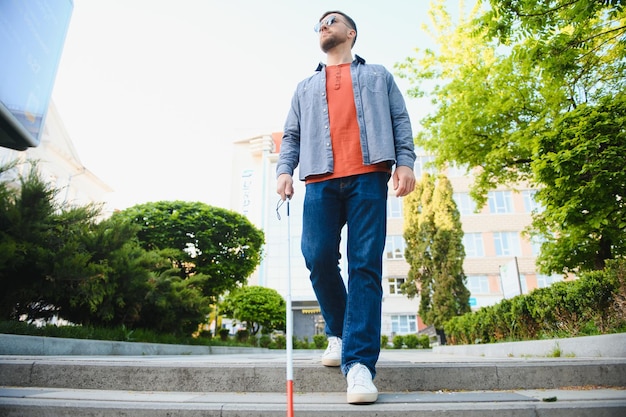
[[284, 186]]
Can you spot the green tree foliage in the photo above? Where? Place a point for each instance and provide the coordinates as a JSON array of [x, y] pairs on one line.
[[139, 289], [115, 295], [434, 251], [509, 84], [258, 307], [60, 261], [175, 305], [583, 189], [220, 244], [43, 251]]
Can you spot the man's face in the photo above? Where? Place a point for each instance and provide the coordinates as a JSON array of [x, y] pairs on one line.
[[333, 31]]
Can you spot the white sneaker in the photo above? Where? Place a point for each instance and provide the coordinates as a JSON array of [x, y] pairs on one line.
[[361, 389], [332, 354]]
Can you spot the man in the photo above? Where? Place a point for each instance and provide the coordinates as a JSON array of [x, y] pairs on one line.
[[347, 127]]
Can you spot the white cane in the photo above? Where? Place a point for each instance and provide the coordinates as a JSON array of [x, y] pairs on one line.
[[289, 321]]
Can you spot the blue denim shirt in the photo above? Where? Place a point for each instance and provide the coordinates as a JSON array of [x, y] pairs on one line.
[[385, 128]]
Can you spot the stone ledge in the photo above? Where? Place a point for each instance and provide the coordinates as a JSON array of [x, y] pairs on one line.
[[11, 344], [601, 346]]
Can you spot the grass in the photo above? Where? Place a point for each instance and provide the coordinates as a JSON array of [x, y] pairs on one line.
[[556, 352]]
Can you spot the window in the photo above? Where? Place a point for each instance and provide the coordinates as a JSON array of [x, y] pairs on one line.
[[395, 284], [465, 203], [403, 324], [394, 207], [547, 280], [500, 202], [423, 164], [455, 171], [507, 243], [535, 243], [473, 243], [530, 205], [394, 247], [478, 284]]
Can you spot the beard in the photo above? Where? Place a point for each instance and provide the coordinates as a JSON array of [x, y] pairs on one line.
[[328, 43]]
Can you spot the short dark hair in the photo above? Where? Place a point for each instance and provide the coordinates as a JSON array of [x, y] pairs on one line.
[[348, 19]]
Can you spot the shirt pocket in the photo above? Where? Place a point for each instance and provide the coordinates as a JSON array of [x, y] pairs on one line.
[[375, 82]]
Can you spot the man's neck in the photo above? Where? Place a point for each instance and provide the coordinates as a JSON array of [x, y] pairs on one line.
[[338, 57]]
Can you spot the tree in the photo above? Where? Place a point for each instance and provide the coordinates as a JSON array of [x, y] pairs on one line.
[[137, 288], [114, 296], [506, 81], [59, 261], [175, 305], [220, 244], [435, 253], [258, 307], [584, 189], [42, 246]]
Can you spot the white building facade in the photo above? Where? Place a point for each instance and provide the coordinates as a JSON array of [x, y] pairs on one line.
[[58, 164]]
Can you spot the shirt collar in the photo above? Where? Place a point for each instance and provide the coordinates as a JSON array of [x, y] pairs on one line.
[[357, 59]]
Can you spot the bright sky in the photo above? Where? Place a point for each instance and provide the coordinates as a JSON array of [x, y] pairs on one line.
[[154, 92]]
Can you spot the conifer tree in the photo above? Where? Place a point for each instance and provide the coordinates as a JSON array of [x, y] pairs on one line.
[[434, 251]]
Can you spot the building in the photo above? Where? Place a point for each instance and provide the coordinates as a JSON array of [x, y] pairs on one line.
[[499, 259], [59, 164]]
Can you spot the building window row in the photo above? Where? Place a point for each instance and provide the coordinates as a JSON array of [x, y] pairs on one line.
[[504, 244], [403, 324], [498, 202]]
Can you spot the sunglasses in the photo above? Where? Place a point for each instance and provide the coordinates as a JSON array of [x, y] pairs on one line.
[[326, 22]]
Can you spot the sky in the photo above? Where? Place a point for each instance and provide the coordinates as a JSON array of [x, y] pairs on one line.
[[153, 93]]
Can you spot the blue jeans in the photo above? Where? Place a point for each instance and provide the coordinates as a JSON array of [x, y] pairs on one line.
[[354, 314]]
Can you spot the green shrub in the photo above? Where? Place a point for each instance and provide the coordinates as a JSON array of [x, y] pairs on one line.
[[424, 341], [592, 304], [205, 334], [243, 335], [265, 341], [300, 343], [281, 342], [398, 341], [384, 341], [411, 341], [223, 332], [320, 341]]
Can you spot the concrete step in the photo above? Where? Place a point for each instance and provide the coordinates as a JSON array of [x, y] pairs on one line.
[[411, 382], [47, 402], [398, 371]]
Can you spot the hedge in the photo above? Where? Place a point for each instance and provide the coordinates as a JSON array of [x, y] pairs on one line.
[[593, 304]]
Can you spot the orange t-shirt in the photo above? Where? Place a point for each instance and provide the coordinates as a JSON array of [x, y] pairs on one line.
[[344, 128]]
